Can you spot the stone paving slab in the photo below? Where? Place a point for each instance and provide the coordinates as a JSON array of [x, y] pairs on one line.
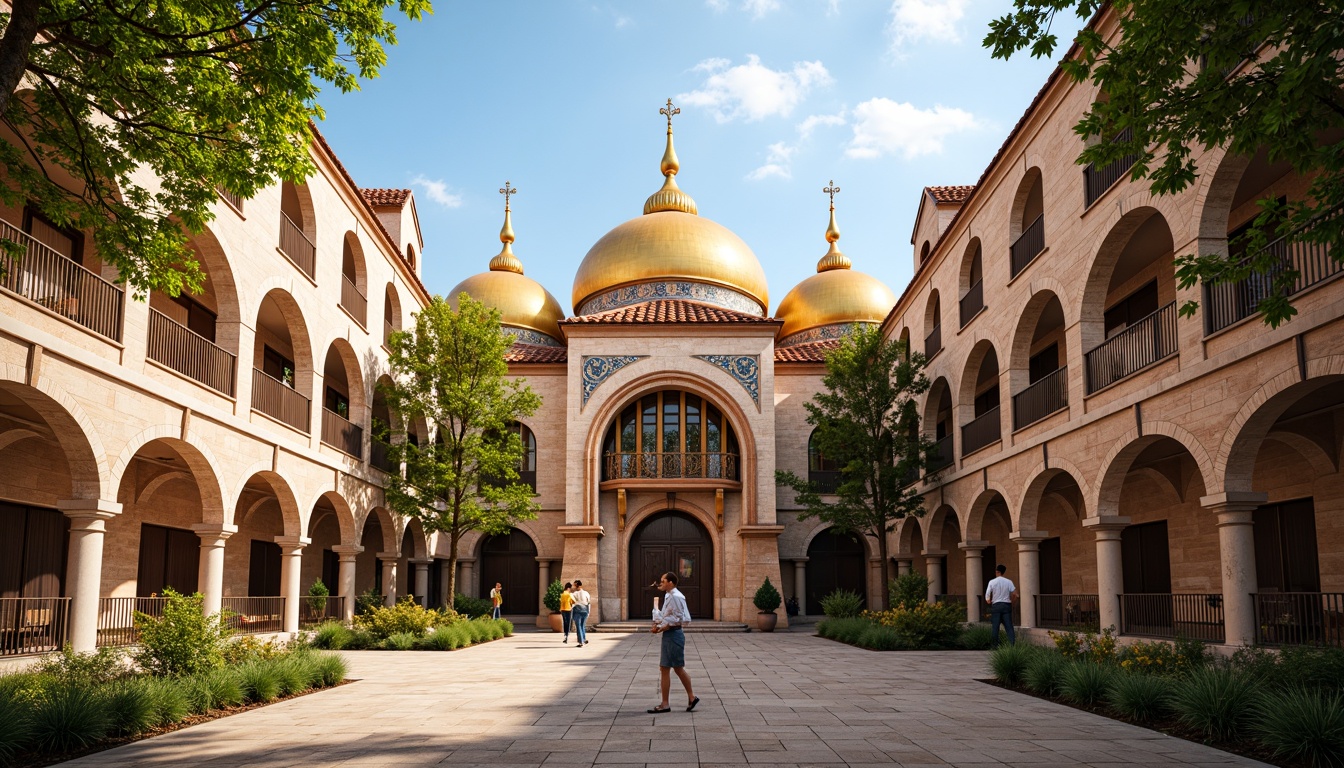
[[779, 700]]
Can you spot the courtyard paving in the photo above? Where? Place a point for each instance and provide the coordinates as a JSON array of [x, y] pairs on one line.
[[788, 699]]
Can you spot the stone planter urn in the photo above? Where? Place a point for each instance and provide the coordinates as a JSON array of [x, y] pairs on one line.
[[557, 622], [766, 621]]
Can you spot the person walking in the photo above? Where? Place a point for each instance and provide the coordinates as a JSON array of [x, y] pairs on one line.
[[496, 599], [566, 608], [670, 623], [583, 603], [1000, 594]]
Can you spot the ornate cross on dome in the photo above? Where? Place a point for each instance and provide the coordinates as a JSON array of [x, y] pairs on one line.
[[832, 190], [669, 110], [507, 192]]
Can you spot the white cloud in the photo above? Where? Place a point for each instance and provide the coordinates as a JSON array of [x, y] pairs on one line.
[[437, 190], [776, 163], [913, 21], [810, 124], [718, 6], [623, 21], [886, 127], [759, 8], [753, 91]]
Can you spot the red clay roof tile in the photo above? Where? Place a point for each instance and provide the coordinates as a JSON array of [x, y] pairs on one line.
[[950, 194], [535, 353], [807, 352], [668, 311], [386, 197]]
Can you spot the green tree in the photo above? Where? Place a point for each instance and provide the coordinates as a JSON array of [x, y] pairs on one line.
[[867, 420], [450, 371], [199, 95], [1197, 74]]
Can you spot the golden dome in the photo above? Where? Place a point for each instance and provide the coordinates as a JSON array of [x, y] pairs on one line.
[[835, 297], [522, 302], [685, 255]]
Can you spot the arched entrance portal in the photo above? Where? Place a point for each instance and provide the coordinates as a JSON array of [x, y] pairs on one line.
[[836, 561], [511, 560], [672, 541]]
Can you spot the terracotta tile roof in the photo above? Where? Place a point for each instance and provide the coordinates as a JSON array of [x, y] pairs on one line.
[[385, 197], [952, 194], [807, 352], [535, 353], [668, 311]]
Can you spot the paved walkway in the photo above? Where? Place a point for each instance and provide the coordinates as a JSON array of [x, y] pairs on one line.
[[777, 700]]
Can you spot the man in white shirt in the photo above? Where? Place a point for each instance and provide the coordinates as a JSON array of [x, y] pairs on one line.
[[583, 603], [669, 623], [1000, 595], [496, 600]]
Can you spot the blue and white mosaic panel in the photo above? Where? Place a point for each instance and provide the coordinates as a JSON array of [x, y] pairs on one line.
[[672, 289], [529, 336], [745, 370], [597, 369]]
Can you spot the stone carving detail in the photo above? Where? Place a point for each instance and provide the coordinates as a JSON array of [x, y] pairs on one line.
[[836, 331], [671, 289], [529, 336], [597, 369], [745, 369]]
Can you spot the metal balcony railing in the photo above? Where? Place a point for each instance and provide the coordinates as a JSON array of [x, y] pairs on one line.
[[1299, 618], [296, 245], [943, 455], [354, 301], [190, 353], [116, 618], [1050, 393], [680, 466], [1076, 612], [43, 276], [33, 624], [825, 480], [254, 615], [981, 431], [316, 610], [933, 343], [379, 458], [231, 198], [972, 302], [1028, 246], [1193, 616], [342, 434], [273, 398], [1140, 345], [1097, 180]]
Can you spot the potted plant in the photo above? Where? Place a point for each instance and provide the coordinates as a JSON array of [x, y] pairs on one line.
[[767, 601], [552, 601]]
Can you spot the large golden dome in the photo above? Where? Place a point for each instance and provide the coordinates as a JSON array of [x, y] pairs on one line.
[[670, 252], [526, 309], [826, 304]]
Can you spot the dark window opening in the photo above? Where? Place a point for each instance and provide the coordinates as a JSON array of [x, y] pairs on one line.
[[263, 572], [987, 401], [63, 240], [1147, 563], [169, 557], [1043, 363], [33, 544], [199, 318], [1286, 557], [336, 403], [1131, 309], [277, 366]]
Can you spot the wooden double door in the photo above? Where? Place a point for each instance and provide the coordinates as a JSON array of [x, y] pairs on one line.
[[672, 541], [511, 560]]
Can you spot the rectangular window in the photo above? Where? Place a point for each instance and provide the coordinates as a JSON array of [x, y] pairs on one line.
[[263, 571], [987, 401], [67, 242], [197, 317], [277, 366], [331, 570], [1043, 364], [33, 544], [337, 403], [1147, 563], [169, 557], [1286, 555]]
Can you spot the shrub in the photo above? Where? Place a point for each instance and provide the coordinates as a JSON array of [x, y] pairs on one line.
[[924, 626], [1302, 726], [1101, 648], [438, 640], [69, 716], [1153, 657], [471, 607], [330, 668], [15, 727], [976, 637], [130, 706], [879, 638], [102, 666], [1086, 682], [406, 617], [367, 601], [184, 641], [552, 597], [496, 631], [1216, 701], [1045, 673], [1139, 697], [291, 672], [360, 640], [478, 630], [317, 597], [505, 625], [461, 634], [909, 590], [841, 604], [169, 697], [331, 636], [259, 681], [446, 616], [1009, 662], [401, 641], [1311, 668], [248, 647], [767, 599]]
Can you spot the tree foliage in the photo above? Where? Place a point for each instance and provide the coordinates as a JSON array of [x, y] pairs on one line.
[[449, 371], [1187, 76], [866, 419], [128, 115]]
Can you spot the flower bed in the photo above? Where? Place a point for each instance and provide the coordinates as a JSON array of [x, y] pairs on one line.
[[408, 626]]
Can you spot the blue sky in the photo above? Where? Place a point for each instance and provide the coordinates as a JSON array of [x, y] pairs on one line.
[[778, 97]]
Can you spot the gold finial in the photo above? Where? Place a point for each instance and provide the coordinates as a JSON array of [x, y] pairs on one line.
[[833, 259], [505, 261], [670, 164], [669, 110], [670, 197]]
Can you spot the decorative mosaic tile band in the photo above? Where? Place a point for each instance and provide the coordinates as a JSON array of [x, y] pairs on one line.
[[672, 289], [836, 331], [598, 369], [745, 369], [529, 336]]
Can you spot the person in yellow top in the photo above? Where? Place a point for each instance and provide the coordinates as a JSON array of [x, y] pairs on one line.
[[566, 607], [496, 600]]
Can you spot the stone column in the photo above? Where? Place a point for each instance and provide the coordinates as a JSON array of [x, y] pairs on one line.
[[904, 565], [444, 595], [933, 567], [467, 584], [84, 566], [346, 577], [210, 575], [1028, 571], [975, 577], [544, 577], [1236, 543], [800, 583], [389, 562], [1110, 567], [291, 583], [422, 580], [875, 601]]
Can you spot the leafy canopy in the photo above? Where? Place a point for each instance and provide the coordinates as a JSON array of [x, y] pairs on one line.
[[1187, 75], [128, 115]]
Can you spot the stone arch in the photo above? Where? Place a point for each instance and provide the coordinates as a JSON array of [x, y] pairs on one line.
[[1045, 317], [72, 430], [904, 338], [290, 513], [392, 308], [1029, 507], [345, 517], [221, 282], [354, 378], [419, 541], [353, 264], [201, 465], [972, 271], [646, 514], [933, 527], [1028, 202], [970, 372], [387, 525], [933, 313], [1214, 191], [905, 537], [295, 326], [975, 516], [297, 198], [869, 543], [1321, 462], [1104, 501]]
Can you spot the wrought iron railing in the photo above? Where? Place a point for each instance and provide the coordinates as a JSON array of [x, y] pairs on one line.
[[342, 434], [711, 466], [273, 398], [1228, 303], [1075, 612], [316, 610], [986, 618], [1299, 618], [380, 458], [933, 343], [981, 431], [1048, 394], [296, 245], [1140, 345], [33, 624], [232, 198], [43, 276], [942, 454], [116, 618], [825, 480], [1097, 180], [254, 615], [190, 353], [1193, 616], [1028, 245], [354, 301], [972, 302]]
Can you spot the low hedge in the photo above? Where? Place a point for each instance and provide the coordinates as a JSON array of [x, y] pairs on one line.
[[448, 633], [922, 629]]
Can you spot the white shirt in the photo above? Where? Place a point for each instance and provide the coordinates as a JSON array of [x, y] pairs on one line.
[[581, 597], [675, 612], [999, 590]]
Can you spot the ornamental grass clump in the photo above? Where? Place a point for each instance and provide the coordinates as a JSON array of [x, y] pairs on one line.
[[1086, 682], [976, 637], [331, 636], [1009, 662], [329, 668], [1045, 673], [1140, 697], [216, 689], [291, 672], [879, 638], [169, 697], [438, 640], [401, 641], [259, 681], [15, 727], [130, 706], [1216, 701], [841, 604], [68, 716], [1302, 726]]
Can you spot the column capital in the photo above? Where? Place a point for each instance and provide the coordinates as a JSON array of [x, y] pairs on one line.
[[1106, 524], [934, 552], [580, 531], [393, 556], [1233, 501], [293, 542], [88, 509], [465, 560], [801, 560], [218, 531], [420, 560], [972, 546], [540, 559], [1028, 537], [904, 557], [347, 550]]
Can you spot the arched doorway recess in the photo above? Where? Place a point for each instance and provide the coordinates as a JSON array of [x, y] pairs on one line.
[[511, 560], [672, 541], [836, 561]]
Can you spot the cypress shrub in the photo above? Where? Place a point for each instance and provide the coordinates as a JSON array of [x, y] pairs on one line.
[[1302, 726]]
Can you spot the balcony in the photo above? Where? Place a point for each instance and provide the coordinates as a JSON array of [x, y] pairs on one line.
[[354, 301], [31, 625], [45, 277], [712, 469], [297, 247], [1194, 616], [1078, 613], [972, 303], [1144, 343], [379, 457], [279, 401], [1299, 618], [942, 454], [933, 343], [231, 198], [190, 354], [1028, 246], [1097, 180], [342, 434], [1046, 396], [1229, 303], [982, 431], [254, 615]]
